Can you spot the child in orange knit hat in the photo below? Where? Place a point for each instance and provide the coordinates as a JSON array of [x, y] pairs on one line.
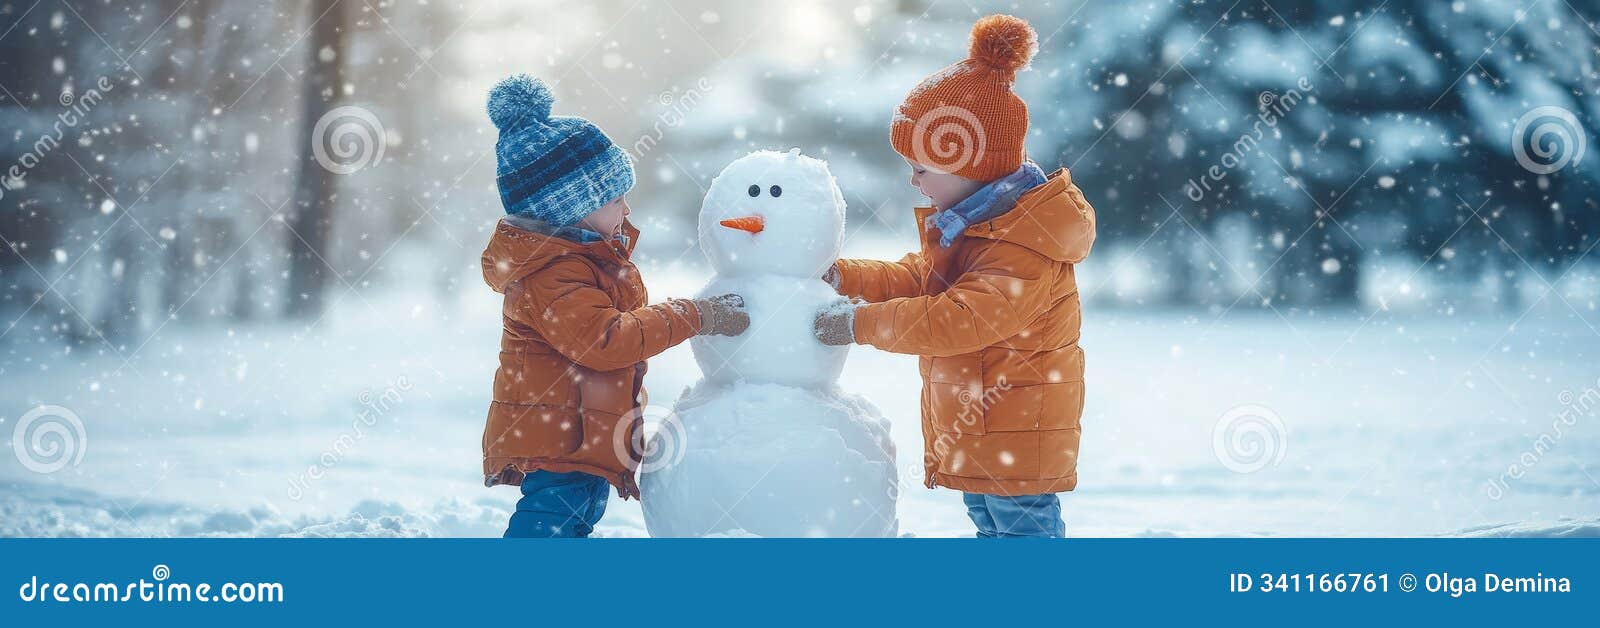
[[990, 302]]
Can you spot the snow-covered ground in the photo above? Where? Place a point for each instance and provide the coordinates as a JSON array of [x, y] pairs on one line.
[[1391, 424]]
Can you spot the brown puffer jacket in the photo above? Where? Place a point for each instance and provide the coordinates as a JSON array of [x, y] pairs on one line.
[[576, 335], [995, 318]]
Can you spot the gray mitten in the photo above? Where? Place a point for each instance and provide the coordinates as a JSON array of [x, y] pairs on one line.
[[722, 315], [835, 324], [832, 276]]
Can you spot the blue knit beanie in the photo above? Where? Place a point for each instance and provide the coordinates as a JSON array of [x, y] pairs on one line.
[[556, 169]]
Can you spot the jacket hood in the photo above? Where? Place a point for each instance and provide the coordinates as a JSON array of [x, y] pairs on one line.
[[521, 246], [1053, 220]]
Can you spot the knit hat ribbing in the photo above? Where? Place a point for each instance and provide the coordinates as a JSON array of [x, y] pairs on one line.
[[557, 169], [965, 119]]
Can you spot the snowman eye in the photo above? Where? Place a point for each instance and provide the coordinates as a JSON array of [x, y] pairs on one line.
[[776, 191], [755, 190]]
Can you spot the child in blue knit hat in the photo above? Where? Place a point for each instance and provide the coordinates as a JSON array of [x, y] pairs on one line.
[[564, 420]]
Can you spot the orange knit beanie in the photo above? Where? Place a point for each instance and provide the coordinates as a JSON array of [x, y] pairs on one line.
[[964, 119]]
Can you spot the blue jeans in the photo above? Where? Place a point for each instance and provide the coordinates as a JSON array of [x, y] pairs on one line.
[[1024, 515], [559, 505]]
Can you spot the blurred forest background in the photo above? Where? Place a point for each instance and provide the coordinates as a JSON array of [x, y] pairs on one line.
[[197, 186]]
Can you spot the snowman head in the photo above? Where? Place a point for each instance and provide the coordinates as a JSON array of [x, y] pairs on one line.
[[773, 213]]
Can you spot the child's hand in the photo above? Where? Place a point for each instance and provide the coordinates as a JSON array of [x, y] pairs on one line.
[[722, 315], [835, 324], [831, 276]]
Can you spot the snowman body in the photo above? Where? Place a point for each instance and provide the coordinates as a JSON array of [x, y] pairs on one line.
[[766, 444], [779, 346]]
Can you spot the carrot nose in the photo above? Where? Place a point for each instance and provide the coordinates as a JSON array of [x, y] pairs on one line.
[[753, 224]]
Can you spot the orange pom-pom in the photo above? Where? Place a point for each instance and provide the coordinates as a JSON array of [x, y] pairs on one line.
[[1003, 42]]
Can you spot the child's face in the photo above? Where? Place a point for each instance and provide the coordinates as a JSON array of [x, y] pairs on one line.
[[944, 189], [607, 220]]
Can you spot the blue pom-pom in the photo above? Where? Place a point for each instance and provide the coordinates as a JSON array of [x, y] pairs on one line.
[[519, 100]]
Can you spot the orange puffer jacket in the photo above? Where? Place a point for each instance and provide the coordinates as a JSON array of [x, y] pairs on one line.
[[576, 335], [995, 317]]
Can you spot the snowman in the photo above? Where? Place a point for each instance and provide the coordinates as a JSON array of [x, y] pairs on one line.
[[766, 444]]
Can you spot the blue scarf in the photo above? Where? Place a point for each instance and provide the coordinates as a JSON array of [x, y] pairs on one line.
[[988, 203], [571, 233]]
